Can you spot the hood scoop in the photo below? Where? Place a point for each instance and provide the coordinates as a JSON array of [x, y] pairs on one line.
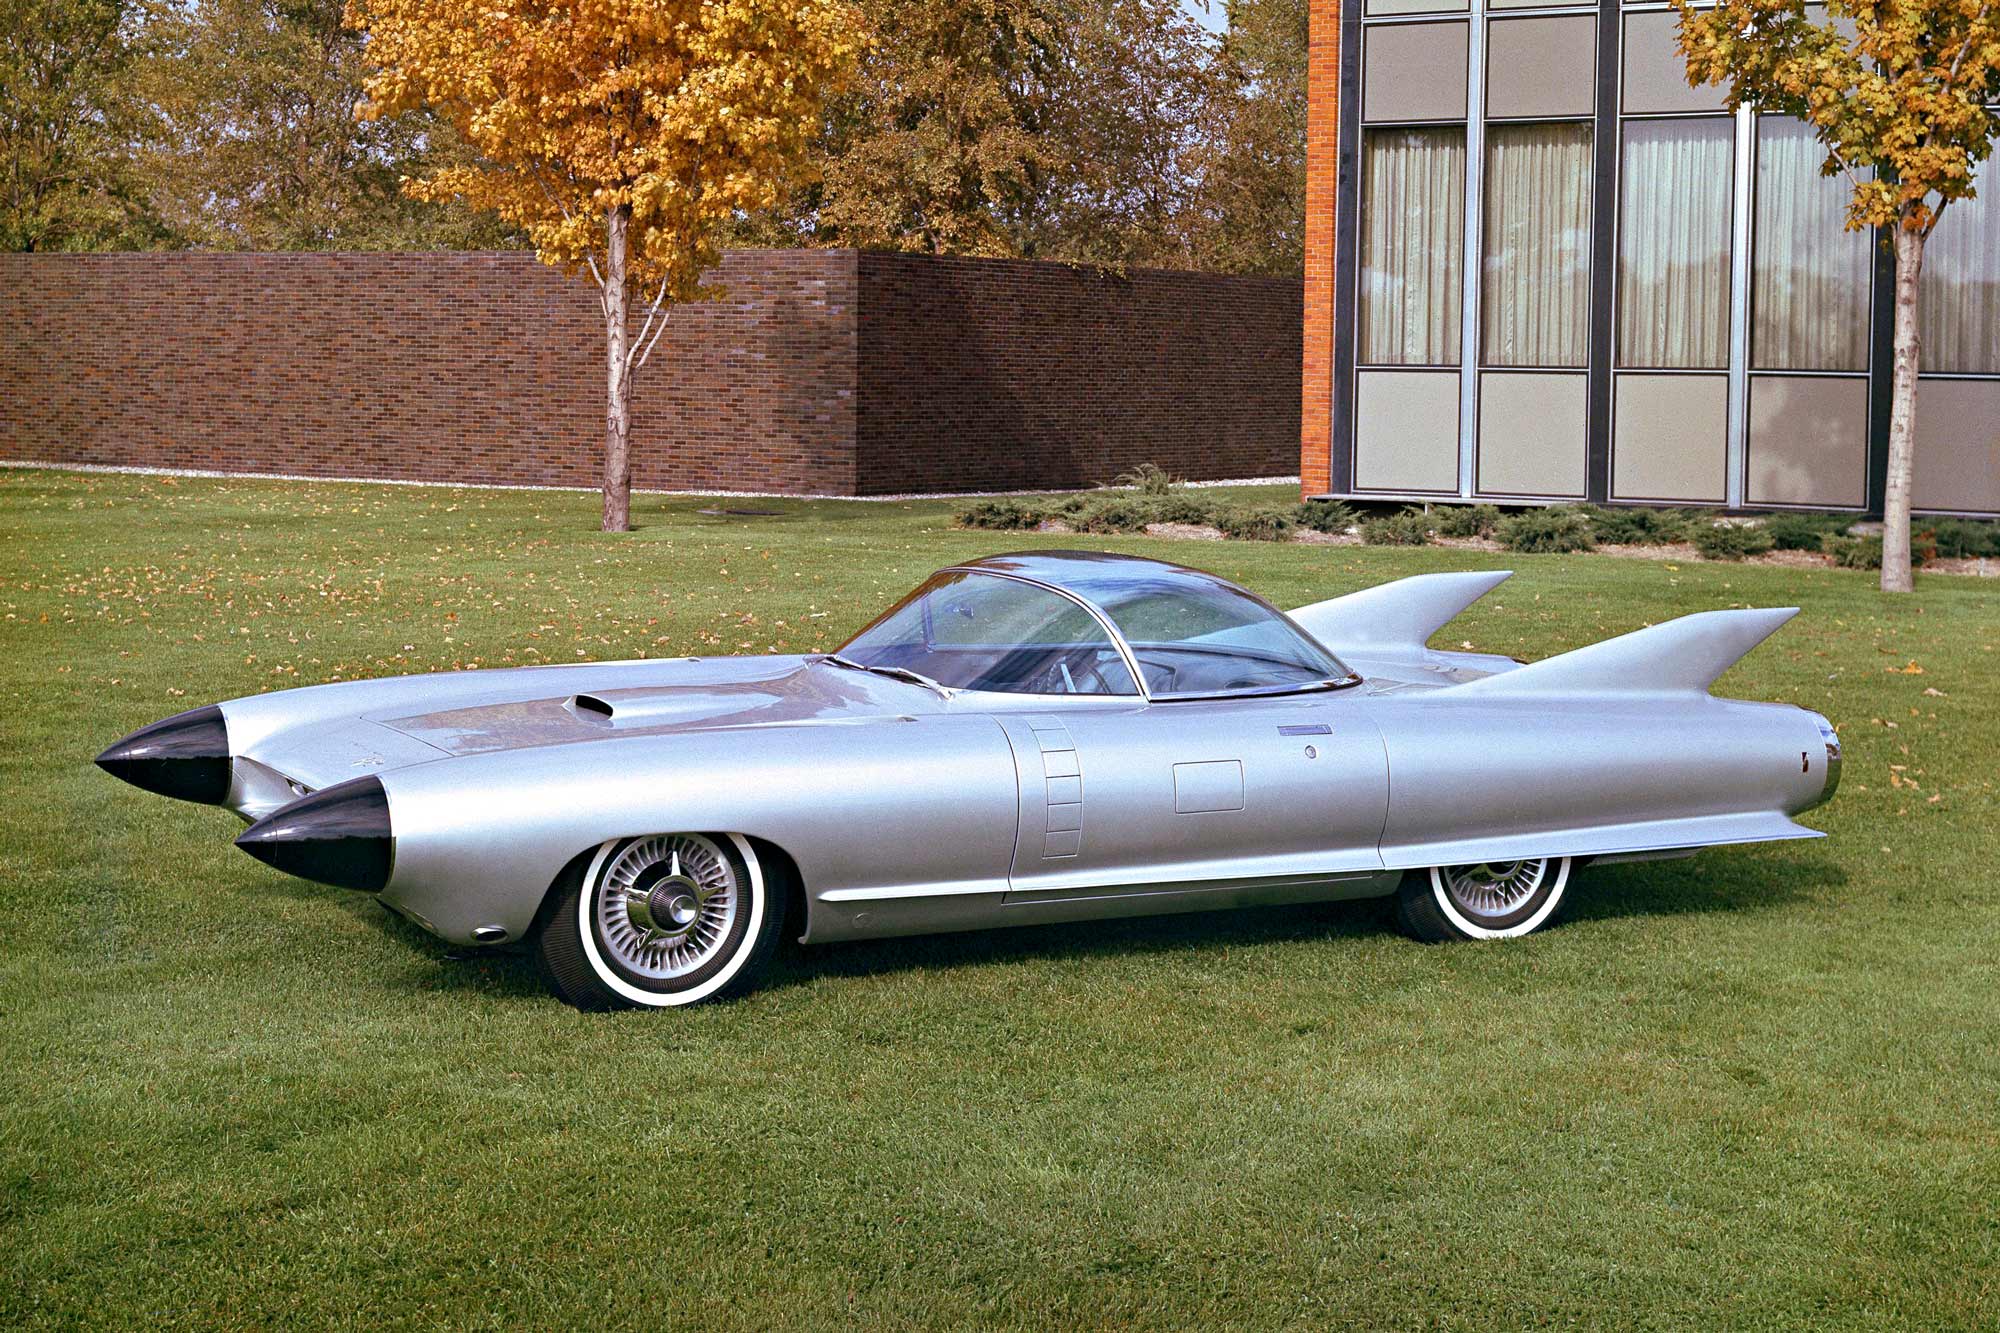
[[652, 707]]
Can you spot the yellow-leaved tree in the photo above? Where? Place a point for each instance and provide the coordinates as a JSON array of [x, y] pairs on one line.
[[620, 135], [1901, 94]]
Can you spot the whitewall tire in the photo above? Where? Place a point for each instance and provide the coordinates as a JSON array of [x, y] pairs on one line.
[[660, 921], [1490, 901]]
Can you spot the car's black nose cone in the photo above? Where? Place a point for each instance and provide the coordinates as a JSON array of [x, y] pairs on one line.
[[185, 756], [339, 836]]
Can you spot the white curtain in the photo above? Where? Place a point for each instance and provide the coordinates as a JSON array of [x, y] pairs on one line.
[[1535, 288], [1412, 246], [1809, 285], [1959, 313], [1673, 243]]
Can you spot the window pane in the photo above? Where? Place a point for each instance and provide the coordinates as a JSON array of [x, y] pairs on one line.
[[1412, 246], [978, 632], [1195, 634], [1673, 243], [1809, 286], [1959, 315], [1535, 288]]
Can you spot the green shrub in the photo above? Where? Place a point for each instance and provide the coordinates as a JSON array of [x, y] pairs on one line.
[[1256, 525], [1465, 520], [1113, 513], [1005, 514], [1866, 552], [1959, 538], [1556, 529], [1148, 479], [1184, 506], [1407, 527], [1324, 515], [1804, 532], [1071, 505], [1730, 541], [1854, 552], [1638, 527]]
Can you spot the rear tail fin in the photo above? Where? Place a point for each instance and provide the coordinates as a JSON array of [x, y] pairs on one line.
[[1679, 657], [1395, 618]]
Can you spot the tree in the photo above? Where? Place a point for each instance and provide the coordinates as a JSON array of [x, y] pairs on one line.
[[936, 146], [1248, 214], [256, 145], [1132, 85], [1901, 101], [621, 135], [1054, 129], [67, 120]]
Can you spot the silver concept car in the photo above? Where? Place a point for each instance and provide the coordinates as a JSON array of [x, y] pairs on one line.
[[1042, 737]]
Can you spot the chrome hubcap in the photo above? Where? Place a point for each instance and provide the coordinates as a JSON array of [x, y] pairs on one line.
[[1493, 889], [667, 904]]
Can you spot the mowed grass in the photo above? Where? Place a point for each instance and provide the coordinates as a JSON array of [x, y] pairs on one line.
[[1759, 1088]]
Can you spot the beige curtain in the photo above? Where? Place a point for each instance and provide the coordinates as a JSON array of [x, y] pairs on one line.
[[1809, 283], [1673, 243], [1958, 316], [1535, 288], [1412, 246]]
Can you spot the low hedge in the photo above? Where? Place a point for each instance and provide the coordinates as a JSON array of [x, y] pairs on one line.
[[1558, 529]]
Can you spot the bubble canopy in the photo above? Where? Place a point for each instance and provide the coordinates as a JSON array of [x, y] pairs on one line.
[[1079, 622]]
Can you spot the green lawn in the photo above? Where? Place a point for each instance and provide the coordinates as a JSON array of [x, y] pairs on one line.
[[1759, 1088]]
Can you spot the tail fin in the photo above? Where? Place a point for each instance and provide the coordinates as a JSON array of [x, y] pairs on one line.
[[1395, 618], [1679, 657]]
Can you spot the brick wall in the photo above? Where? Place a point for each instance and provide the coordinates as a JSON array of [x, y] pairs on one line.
[[985, 374], [821, 371], [1322, 192]]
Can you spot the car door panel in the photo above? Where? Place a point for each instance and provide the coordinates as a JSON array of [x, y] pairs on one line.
[[1187, 795]]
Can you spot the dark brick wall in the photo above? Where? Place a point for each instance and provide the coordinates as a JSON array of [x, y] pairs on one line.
[[819, 371], [984, 374], [452, 367]]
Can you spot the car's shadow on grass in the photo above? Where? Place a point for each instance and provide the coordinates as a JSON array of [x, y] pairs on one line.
[[1713, 884]]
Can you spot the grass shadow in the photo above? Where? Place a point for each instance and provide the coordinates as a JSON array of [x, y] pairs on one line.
[[1611, 892], [1701, 883]]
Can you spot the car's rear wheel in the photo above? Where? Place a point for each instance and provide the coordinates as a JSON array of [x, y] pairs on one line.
[[659, 921], [1494, 900]]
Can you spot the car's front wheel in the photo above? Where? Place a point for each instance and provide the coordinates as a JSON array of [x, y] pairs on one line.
[[1494, 900], [662, 920]]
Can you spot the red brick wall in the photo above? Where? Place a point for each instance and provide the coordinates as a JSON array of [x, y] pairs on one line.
[[983, 374], [819, 371]]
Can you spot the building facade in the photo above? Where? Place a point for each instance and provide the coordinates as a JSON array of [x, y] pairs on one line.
[[1542, 267]]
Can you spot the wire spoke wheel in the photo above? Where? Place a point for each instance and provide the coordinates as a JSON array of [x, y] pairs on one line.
[[660, 920], [1493, 890], [1490, 900], [667, 905]]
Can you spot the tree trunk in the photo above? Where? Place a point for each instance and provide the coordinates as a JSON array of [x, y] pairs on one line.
[[618, 380], [1902, 415]]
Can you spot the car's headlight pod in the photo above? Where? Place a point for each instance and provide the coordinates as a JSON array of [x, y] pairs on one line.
[[185, 756], [337, 836]]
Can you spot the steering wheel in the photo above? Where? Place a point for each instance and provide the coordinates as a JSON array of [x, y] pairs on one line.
[[1069, 675]]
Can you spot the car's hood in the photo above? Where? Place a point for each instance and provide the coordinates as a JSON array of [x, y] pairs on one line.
[[805, 691]]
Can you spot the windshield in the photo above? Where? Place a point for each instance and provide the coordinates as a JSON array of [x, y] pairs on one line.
[[1193, 633], [975, 631]]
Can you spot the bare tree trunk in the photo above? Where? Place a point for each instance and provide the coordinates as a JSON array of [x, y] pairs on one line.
[[1902, 415], [618, 377]]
